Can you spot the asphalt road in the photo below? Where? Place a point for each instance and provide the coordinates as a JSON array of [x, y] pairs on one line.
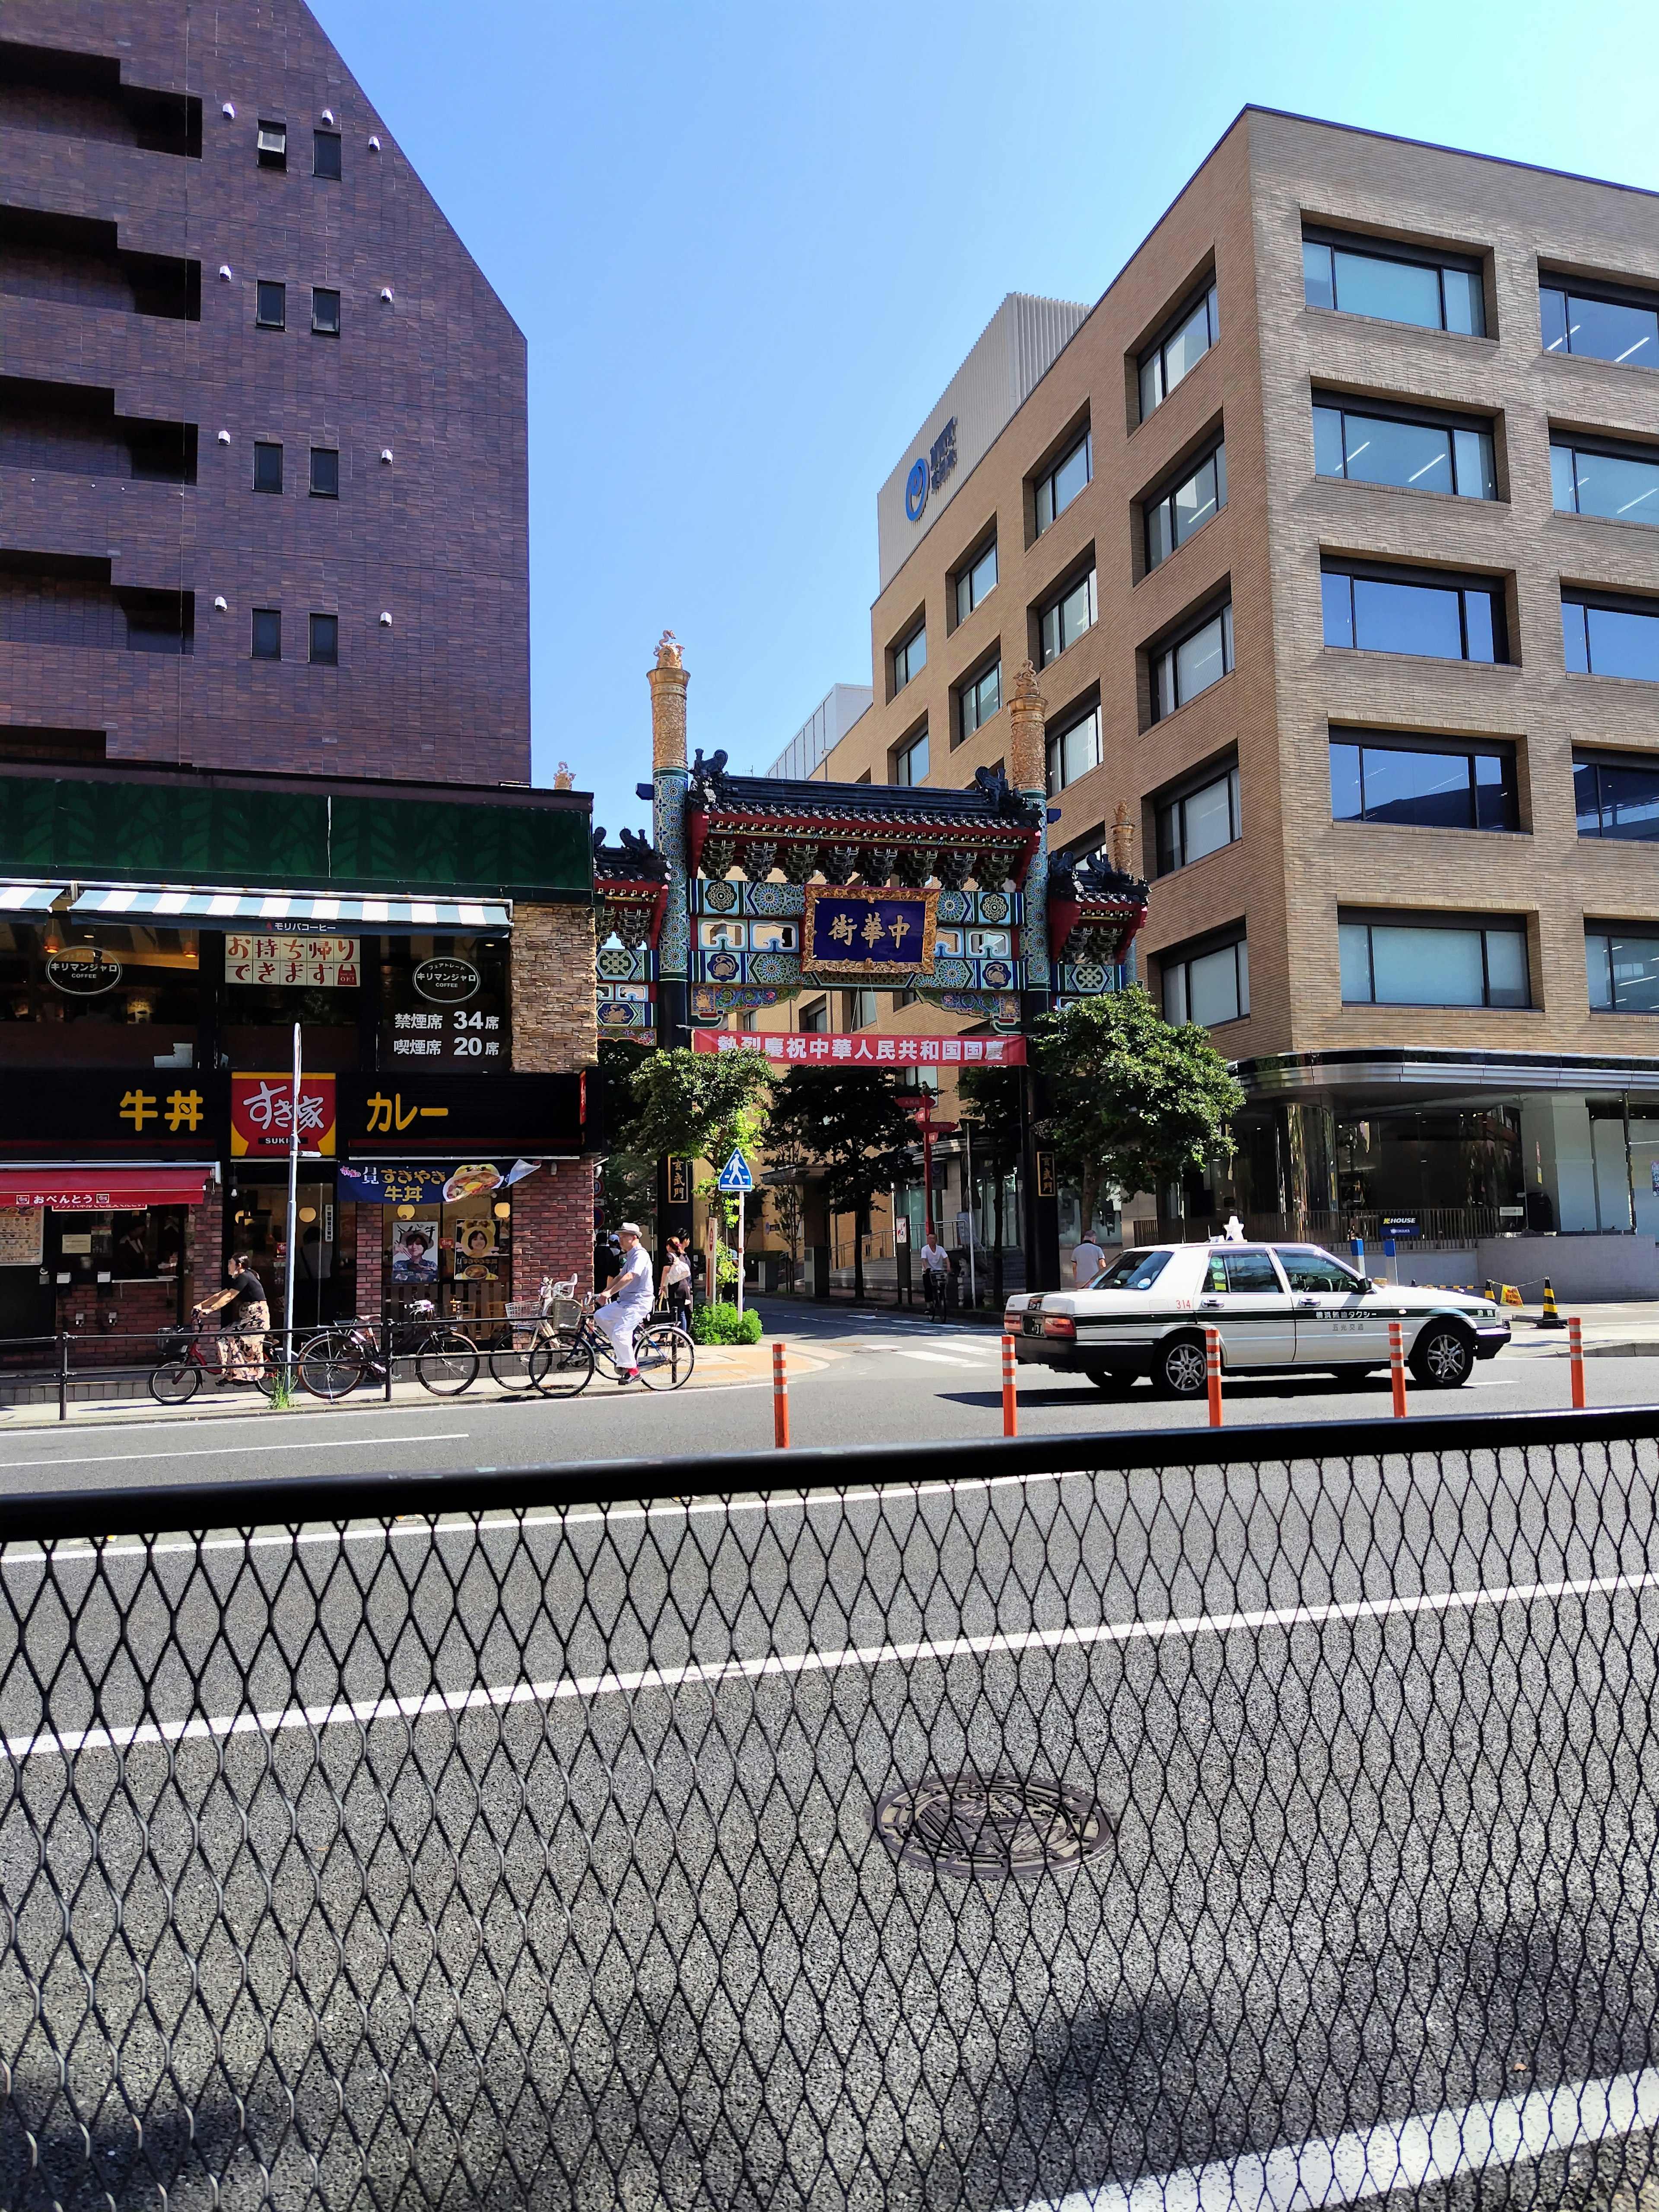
[[881, 1380], [536, 1864]]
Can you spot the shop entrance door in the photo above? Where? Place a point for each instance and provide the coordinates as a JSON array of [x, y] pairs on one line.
[[261, 1224]]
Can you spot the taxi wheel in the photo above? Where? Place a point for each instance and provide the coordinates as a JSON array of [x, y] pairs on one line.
[[1442, 1359], [1180, 1368]]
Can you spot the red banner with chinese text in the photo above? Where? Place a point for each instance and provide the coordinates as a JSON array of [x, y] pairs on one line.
[[261, 1108], [867, 1048]]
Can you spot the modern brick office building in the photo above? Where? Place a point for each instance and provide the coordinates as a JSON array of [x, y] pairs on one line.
[[1331, 531], [265, 720], [264, 443]]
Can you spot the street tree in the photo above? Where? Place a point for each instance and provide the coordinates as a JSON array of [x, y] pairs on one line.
[[629, 1177], [701, 1106], [1134, 1102], [851, 1122]]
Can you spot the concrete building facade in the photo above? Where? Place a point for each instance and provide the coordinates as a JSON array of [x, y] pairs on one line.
[[1326, 532]]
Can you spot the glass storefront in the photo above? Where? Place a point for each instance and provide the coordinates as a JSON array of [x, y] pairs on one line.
[[121, 996], [444, 1002], [324, 1289], [1436, 1158]]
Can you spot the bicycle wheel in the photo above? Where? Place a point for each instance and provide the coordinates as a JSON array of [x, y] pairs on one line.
[[664, 1356], [446, 1363], [562, 1364], [331, 1363], [172, 1385], [510, 1364]]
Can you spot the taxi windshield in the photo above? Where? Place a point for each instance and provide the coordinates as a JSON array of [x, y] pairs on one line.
[[1131, 1271]]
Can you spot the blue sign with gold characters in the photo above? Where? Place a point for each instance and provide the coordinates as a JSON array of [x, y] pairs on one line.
[[863, 925]]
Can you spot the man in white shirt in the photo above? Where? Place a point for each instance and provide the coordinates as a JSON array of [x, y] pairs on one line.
[[935, 1268], [1087, 1261], [627, 1296]]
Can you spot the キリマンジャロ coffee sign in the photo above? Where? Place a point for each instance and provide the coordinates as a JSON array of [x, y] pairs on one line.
[[444, 981], [83, 972]]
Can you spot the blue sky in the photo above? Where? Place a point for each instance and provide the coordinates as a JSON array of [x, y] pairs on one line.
[[750, 245]]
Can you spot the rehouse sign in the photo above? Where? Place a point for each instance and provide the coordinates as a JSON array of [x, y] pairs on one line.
[[929, 474]]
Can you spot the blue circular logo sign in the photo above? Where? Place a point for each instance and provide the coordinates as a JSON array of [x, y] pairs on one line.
[[915, 490]]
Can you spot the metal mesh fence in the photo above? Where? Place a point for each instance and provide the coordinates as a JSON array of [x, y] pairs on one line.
[[996, 1826]]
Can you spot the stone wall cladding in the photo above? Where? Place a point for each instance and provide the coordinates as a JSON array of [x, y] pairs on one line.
[[438, 538], [1242, 213], [555, 1030]]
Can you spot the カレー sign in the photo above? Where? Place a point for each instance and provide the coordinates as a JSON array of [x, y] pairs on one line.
[[869, 1047], [313, 962], [859, 925], [262, 1115]]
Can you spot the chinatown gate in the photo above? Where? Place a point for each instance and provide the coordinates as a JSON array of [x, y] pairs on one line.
[[753, 889]]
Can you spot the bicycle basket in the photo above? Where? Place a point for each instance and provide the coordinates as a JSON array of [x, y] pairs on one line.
[[173, 1343]]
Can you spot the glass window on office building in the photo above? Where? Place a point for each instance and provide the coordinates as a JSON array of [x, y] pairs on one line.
[[1603, 323], [1411, 449], [1057, 490], [1073, 750], [1421, 783], [975, 579], [911, 761], [1394, 284], [1622, 969], [909, 657], [1197, 820], [863, 1009], [1418, 611], [815, 1016], [1618, 482], [981, 698], [1456, 962], [1610, 633], [1616, 795], [1179, 351], [1066, 617], [1173, 516], [1209, 987], [1192, 663]]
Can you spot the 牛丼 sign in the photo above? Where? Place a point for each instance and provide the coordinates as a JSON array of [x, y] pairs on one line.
[[858, 925]]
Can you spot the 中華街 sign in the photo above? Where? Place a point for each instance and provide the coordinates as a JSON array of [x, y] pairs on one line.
[[861, 926]]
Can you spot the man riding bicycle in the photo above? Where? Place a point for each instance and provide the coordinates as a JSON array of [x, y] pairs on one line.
[[626, 1305]]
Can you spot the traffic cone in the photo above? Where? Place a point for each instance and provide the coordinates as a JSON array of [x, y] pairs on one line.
[[1549, 1318]]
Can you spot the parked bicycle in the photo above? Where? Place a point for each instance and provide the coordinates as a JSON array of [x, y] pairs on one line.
[[334, 1362], [558, 1360], [187, 1355]]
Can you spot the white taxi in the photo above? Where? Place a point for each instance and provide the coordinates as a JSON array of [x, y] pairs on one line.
[[1274, 1305]]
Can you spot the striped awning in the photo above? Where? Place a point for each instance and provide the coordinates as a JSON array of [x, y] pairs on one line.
[[286, 910], [28, 898]]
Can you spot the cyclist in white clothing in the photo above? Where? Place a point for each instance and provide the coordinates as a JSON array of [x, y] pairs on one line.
[[627, 1301]]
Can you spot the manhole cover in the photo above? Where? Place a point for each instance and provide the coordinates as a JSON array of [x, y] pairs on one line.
[[991, 1826]]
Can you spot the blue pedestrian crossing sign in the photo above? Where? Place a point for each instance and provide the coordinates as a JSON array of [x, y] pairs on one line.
[[735, 1175]]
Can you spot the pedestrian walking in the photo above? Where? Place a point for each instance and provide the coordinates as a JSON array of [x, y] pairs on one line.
[[627, 1301], [1087, 1261], [676, 1290], [935, 1267]]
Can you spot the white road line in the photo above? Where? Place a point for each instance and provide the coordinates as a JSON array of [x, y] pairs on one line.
[[1409, 2154], [218, 1451], [713, 1673], [943, 1358]]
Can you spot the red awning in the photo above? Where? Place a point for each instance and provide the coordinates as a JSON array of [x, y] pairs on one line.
[[102, 1190]]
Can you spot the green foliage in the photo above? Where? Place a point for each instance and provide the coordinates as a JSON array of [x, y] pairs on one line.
[[990, 1105], [1133, 1102], [699, 1105], [723, 1324], [628, 1179], [850, 1121]]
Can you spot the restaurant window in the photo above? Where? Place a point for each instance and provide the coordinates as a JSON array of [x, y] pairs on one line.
[[119, 995], [1179, 351], [444, 1003], [1394, 284], [276, 978]]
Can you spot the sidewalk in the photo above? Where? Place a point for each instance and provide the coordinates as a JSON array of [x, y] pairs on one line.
[[1620, 1329]]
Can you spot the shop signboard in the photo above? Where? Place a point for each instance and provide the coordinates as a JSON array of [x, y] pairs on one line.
[[114, 1113], [293, 961], [867, 1048], [411, 1115], [431, 1186], [83, 971], [858, 925], [21, 1229], [262, 1113]]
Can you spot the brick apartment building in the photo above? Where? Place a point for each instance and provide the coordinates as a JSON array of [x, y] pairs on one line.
[[264, 719], [1331, 532]]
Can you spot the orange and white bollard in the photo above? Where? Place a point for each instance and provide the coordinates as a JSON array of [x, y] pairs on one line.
[[1212, 1373], [780, 1398], [1397, 1368], [1010, 1402], [1575, 1360]]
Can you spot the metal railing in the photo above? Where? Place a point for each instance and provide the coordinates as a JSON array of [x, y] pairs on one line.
[[962, 1827]]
